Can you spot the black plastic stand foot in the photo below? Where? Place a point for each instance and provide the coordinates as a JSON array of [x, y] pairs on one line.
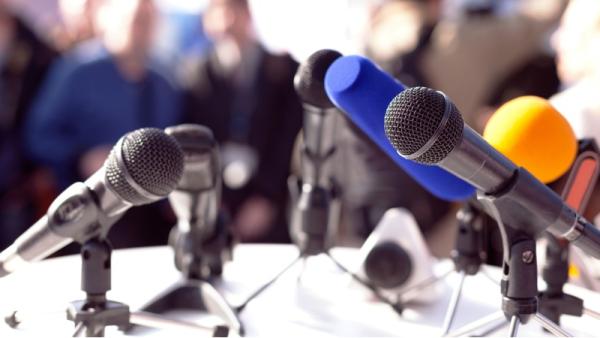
[[554, 303], [553, 307]]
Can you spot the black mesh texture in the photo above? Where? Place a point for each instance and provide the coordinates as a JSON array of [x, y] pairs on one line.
[[151, 158], [199, 147], [413, 117], [388, 265], [310, 78]]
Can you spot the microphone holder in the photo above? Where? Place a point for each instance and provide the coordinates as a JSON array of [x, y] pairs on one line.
[[93, 314], [318, 207], [519, 270], [468, 257], [200, 262], [553, 301], [198, 257]]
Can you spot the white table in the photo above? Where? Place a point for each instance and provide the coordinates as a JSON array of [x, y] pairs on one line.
[[324, 303]]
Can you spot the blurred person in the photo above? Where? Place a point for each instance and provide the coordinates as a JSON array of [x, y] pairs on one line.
[[78, 19], [482, 55], [24, 61], [578, 51], [577, 44], [399, 34], [96, 93], [246, 96]]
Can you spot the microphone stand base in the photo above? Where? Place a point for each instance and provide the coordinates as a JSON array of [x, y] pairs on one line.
[[198, 296]]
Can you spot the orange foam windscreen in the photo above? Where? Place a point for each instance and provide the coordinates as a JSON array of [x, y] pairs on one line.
[[531, 133]]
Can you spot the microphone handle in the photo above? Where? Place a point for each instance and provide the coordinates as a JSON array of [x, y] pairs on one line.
[[38, 242], [73, 216], [319, 144]]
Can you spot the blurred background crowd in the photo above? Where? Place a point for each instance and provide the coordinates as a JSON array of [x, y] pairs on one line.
[[75, 75]]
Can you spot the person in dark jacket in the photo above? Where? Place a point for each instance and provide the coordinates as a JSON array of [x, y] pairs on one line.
[[246, 96], [24, 61]]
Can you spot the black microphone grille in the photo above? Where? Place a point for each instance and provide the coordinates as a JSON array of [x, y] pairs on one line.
[[144, 166], [310, 78], [423, 125]]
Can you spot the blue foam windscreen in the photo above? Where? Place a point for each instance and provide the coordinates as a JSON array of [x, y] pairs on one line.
[[363, 91]]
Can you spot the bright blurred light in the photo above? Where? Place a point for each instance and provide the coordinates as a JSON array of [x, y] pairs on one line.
[[182, 6], [301, 27]]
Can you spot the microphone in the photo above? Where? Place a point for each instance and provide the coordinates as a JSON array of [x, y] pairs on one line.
[[143, 167], [195, 201], [319, 117], [423, 125], [534, 135], [313, 213], [363, 91], [200, 236]]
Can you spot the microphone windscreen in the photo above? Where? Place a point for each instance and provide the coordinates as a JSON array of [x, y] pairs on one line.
[[531, 133], [363, 92], [310, 76]]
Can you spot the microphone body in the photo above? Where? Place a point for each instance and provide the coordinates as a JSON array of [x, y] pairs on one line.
[[319, 137], [363, 92], [200, 240], [316, 204], [426, 127], [143, 167]]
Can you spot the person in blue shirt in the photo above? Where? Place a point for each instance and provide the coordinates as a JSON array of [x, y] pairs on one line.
[[95, 94], [98, 92]]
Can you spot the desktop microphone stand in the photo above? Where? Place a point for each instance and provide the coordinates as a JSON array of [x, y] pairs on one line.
[[468, 257], [554, 302], [519, 270], [317, 207], [93, 314], [200, 261]]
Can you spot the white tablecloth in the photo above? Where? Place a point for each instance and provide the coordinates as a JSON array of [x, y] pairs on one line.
[[324, 302]]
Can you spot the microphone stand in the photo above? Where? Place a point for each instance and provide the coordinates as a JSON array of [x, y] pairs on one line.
[[199, 261], [468, 257], [94, 313], [553, 301], [319, 208], [519, 271]]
